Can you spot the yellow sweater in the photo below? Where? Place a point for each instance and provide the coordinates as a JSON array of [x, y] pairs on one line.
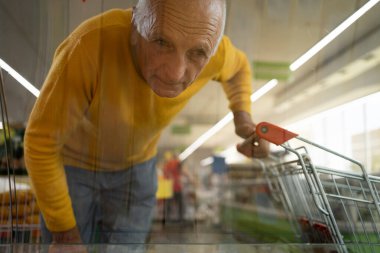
[[95, 112]]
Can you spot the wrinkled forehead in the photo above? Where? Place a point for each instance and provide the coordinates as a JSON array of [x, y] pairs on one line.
[[190, 18]]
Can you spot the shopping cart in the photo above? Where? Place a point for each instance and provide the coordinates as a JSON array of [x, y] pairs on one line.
[[326, 206]]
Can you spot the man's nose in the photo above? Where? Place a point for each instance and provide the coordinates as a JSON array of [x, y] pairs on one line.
[[176, 69]]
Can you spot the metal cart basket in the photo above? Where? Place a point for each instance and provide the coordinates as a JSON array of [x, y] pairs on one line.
[[327, 206]]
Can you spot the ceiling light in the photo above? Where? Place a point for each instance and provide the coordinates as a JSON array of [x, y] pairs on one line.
[[223, 122], [332, 35], [19, 78]]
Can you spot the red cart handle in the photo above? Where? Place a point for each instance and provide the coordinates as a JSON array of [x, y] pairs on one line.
[[273, 133]]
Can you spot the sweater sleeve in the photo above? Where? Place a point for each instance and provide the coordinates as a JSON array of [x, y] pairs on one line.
[[64, 98], [236, 77]]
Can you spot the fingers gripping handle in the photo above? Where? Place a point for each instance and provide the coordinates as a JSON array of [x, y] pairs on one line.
[[273, 133]]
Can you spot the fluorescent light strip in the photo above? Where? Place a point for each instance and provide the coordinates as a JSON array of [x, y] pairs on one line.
[[223, 122], [204, 137], [19, 78], [263, 90], [332, 35]]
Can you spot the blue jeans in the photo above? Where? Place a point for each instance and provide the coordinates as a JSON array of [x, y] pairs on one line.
[[112, 207]]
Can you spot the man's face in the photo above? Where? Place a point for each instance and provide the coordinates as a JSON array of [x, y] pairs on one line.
[[176, 42]]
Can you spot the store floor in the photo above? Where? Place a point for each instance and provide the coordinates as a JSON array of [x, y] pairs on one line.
[[190, 232], [201, 237], [192, 237]]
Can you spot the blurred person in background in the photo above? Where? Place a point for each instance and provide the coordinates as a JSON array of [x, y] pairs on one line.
[[174, 170]]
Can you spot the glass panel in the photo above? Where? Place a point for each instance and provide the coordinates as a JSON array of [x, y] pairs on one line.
[[116, 125]]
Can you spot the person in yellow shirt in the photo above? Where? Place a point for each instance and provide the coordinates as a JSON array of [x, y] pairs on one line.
[[115, 82]]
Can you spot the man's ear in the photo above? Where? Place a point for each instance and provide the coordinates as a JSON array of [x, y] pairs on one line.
[[133, 27], [134, 34], [133, 13]]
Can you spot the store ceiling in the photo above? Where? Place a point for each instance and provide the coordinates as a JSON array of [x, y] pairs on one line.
[[274, 31]]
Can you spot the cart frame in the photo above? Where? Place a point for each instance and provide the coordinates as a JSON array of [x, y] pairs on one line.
[[311, 192]]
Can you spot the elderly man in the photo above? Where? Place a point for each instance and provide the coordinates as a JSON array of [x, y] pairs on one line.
[[114, 84]]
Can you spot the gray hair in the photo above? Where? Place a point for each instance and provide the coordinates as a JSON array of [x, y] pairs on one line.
[[143, 18], [142, 14]]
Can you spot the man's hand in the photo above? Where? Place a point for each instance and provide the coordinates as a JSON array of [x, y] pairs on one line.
[[244, 127], [67, 241], [252, 146]]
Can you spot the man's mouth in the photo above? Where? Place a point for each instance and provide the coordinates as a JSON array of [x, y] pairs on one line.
[[169, 89]]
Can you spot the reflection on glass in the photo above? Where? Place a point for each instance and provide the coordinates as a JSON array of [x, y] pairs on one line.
[[238, 205]]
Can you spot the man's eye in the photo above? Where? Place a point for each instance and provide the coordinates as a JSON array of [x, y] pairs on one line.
[[161, 42], [199, 53]]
